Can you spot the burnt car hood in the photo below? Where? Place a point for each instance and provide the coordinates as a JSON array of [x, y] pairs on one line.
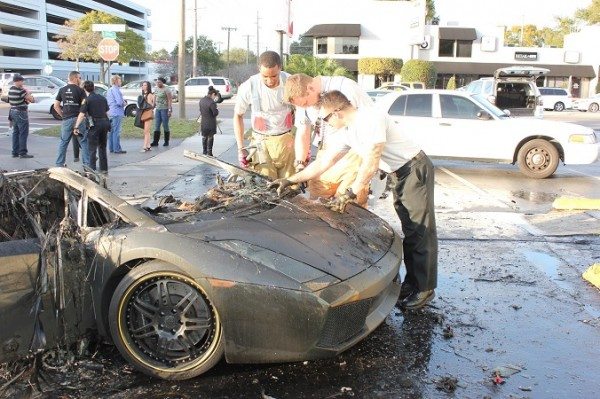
[[341, 245]]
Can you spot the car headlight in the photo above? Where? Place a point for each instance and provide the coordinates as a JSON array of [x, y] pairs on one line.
[[301, 272], [582, 138]]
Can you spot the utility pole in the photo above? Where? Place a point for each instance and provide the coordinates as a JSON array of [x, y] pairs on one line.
[[181, 62], [195, 41], [257, 37], [247, 49], [228, 29]]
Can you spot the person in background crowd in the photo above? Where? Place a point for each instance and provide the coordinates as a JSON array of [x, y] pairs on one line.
[[164, 103], [272, 138], [116, 105], [95, 109], [67, 104], [208, 123], [18, 98], [383, 145], [146, 102]]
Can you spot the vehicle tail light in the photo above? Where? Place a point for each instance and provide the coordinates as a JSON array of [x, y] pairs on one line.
[[227, 88]]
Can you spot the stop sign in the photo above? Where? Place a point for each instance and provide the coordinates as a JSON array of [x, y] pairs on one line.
[[108, 49]]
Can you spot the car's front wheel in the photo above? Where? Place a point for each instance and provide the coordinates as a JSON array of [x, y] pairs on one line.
[[131, 110], [164, 324], [594, 107], [559, 107], [538, 158]]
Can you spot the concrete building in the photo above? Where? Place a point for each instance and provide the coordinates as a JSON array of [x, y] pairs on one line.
[[396, 29], [28, 27]]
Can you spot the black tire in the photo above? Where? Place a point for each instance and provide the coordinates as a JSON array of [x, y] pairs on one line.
[[131, 110], [55, 114], [594, 107], [558, 107], [538, 158], [163, 323]]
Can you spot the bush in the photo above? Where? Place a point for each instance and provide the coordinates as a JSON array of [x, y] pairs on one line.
[[419, 71], [379, 66], [451, 83]]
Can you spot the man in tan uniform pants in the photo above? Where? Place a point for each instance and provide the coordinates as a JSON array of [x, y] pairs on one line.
[[304, 92], [272, 139]]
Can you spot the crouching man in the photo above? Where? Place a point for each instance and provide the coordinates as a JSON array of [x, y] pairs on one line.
[[383, 145]]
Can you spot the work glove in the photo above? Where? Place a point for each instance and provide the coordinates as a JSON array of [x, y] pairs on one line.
[[242, 154], [281, 185], [338, 204]]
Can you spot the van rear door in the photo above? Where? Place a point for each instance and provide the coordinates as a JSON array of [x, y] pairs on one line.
[[520, 71]]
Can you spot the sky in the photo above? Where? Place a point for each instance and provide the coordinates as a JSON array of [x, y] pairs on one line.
[[213, 15]]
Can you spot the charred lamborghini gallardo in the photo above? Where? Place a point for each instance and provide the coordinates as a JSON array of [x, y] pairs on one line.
[[177, 284]]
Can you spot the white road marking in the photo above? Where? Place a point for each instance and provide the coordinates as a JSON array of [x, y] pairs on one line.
[[473, 187], [582, 173]]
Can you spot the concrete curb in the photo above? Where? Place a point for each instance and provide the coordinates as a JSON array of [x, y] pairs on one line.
[[572, 203]]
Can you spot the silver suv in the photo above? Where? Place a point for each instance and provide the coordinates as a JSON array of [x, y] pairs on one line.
[[513, 89]]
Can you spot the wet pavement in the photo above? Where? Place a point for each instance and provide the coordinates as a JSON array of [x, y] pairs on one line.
[[510, 298]]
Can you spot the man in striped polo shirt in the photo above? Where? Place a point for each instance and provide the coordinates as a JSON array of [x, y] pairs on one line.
[[18, 98]]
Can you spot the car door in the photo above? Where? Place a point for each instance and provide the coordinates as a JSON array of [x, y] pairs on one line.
[[413, 112], [460, 132]]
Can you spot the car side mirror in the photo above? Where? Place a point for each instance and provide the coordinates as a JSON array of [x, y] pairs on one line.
[[483, 115], [506, 112]]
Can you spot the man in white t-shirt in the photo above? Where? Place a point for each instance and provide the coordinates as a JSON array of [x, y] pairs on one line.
[[271, 119], [382, 145], [304, 92]]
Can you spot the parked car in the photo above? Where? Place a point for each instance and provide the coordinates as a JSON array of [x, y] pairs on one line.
[[513, 89], [134, 89], [44, 102], [377, 94], [6, 78], [456, 124], [36, 84], [197, 87], [591, 104], [178, 285], [393, 86], [555, 98]]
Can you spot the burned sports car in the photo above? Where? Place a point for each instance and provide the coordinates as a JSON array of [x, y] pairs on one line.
[[178, 284]]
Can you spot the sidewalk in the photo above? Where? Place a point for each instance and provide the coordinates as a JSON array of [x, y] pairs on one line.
[[131, 175]]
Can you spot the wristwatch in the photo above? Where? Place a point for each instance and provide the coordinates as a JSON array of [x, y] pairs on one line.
[[299, 162]]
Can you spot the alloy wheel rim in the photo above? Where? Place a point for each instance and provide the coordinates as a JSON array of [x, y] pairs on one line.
[[168, 323]]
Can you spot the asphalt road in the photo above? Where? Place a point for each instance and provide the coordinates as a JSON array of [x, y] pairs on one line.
[[510, 297]]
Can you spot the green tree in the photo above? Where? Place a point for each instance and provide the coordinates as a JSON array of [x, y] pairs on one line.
[[590, 14], [132, 45], [430, 16], [237, 56], [76, 45], [419, 71], [531, 36], [312, 66], [303, 46], [160, 55], [208, 59]]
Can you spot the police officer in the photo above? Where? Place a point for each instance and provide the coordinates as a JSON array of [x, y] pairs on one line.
[[95, 109]]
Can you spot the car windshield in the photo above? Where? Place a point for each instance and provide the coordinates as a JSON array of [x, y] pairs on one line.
[[485, 104], [56, 81]]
